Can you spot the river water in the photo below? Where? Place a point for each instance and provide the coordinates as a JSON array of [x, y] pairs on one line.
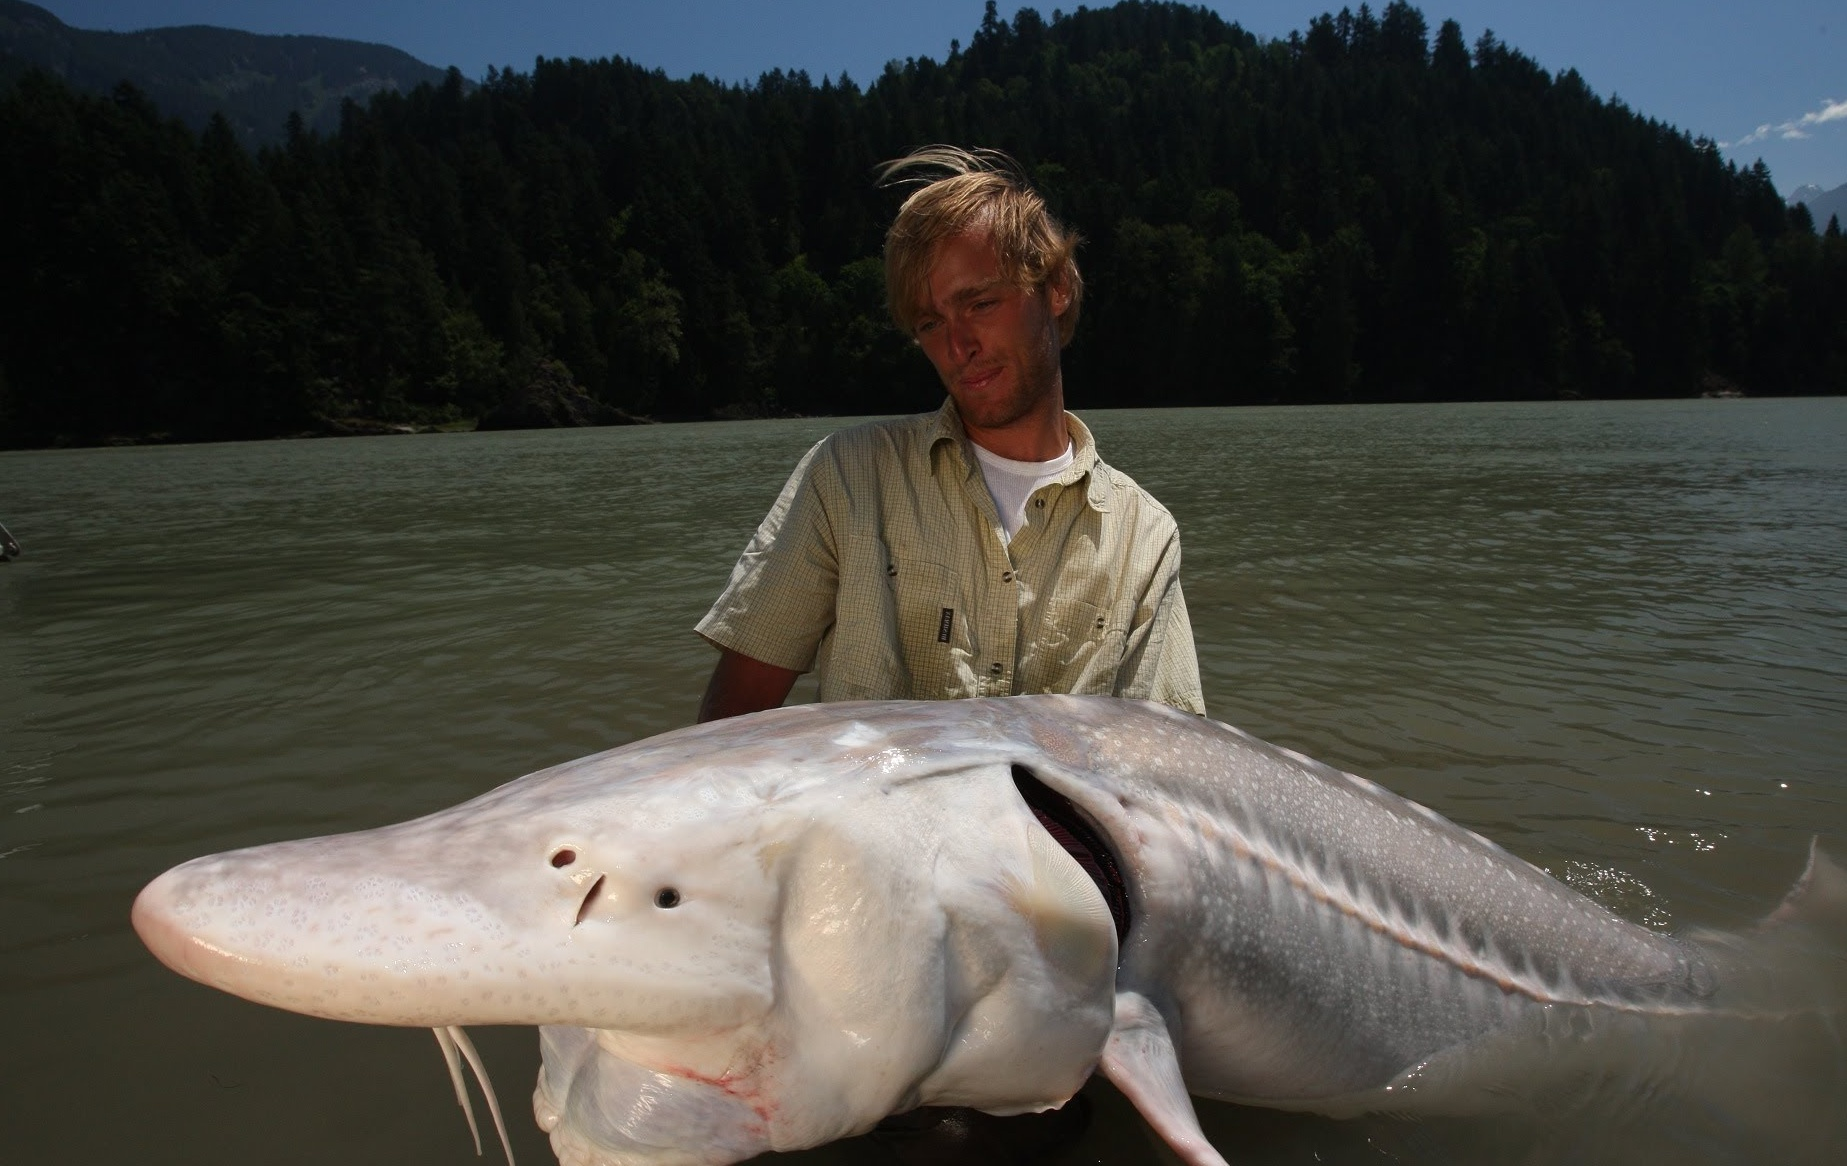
[[1611, 636]]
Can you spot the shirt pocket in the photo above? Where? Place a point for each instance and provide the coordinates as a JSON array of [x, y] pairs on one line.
[[932, 620]]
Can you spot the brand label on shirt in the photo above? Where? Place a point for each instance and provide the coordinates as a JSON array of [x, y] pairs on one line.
[[943, 625]]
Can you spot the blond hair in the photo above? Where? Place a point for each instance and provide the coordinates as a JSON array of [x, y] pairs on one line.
[[974, 190]]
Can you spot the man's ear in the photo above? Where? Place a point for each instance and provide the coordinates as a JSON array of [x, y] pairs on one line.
[[1058, 293]]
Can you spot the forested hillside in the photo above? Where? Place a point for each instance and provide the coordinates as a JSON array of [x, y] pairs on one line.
[[1365, 212]]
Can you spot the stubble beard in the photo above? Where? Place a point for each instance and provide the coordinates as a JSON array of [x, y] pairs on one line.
[[1038, 378]]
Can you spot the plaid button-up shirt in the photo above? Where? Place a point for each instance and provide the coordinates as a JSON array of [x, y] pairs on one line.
[[884, 564]]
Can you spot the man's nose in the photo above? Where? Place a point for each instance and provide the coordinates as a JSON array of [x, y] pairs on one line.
[[963, 344]]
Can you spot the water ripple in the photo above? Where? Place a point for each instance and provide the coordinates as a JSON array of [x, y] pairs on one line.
[[1611, 636]]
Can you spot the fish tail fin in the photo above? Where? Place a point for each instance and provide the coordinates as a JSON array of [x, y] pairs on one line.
[[1819, 898]]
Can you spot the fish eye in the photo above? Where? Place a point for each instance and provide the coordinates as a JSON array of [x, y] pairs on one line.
[[565, 857], [666, 897]]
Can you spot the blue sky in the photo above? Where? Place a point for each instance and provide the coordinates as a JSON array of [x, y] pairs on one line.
[[1768, 79]]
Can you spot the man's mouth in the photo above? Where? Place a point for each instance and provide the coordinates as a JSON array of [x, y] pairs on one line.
[[974, 381]]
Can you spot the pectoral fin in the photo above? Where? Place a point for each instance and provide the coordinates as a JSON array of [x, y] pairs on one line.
[[1140, 1060]]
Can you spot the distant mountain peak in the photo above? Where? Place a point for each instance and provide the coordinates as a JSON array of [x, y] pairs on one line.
[[194, 71], [1823, 204]]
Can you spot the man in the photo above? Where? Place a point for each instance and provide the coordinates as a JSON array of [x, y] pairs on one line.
[[983, 550]]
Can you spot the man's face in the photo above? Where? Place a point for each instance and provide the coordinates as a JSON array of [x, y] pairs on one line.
[[994, 343]]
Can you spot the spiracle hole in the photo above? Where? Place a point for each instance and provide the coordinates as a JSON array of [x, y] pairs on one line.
[[666, 897], [565, 857]]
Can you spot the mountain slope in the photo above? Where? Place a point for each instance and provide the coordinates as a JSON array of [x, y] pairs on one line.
[[192, 72], [1823, 204]]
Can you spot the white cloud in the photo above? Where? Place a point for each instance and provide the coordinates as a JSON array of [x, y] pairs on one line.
[[1796, 128]]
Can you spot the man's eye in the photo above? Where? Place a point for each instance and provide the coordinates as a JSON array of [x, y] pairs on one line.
[[927, 327]]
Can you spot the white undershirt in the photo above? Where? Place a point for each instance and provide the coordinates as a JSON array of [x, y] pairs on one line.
[[1011, 483]]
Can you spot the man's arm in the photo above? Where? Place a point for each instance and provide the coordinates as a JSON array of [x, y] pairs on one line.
[[1161, 662], [742, 685], [778, 604]]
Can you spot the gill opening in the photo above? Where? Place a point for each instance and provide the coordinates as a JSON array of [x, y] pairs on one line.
[[1072, 829], [452, 1040]]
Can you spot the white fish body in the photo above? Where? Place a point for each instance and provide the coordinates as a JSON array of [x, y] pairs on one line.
[[772, 932]]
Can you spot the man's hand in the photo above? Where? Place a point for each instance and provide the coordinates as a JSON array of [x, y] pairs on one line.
[[742, 685]]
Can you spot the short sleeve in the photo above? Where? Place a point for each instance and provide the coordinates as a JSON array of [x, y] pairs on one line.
[[1161, 662], [780, 600]]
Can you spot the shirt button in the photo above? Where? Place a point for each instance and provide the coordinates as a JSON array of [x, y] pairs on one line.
[[1006, 576], [891, 569], [994, 668], [1039, 502]]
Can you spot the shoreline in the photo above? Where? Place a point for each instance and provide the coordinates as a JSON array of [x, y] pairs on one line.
[[370, 427]]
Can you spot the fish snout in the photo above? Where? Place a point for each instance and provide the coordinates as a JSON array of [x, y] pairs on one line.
[[156, 921], [305, 927]]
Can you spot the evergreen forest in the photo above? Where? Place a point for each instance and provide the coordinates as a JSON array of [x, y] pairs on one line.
[[1367, 211]]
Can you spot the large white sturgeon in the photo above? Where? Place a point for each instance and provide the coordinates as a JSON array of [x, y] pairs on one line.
[[772, 932]]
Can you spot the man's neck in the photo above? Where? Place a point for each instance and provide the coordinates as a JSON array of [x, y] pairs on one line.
[[1039, 436]]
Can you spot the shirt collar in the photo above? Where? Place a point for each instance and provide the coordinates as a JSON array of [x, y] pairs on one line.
[[946, 432]]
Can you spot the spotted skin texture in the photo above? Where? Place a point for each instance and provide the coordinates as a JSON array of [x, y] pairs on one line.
[[771, 932], [1317, 935]]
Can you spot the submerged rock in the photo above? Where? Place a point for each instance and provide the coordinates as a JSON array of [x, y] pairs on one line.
[[1714, 386], [365, 427], [552, 400]]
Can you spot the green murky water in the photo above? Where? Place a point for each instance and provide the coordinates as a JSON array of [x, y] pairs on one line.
[[1611, 636]]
